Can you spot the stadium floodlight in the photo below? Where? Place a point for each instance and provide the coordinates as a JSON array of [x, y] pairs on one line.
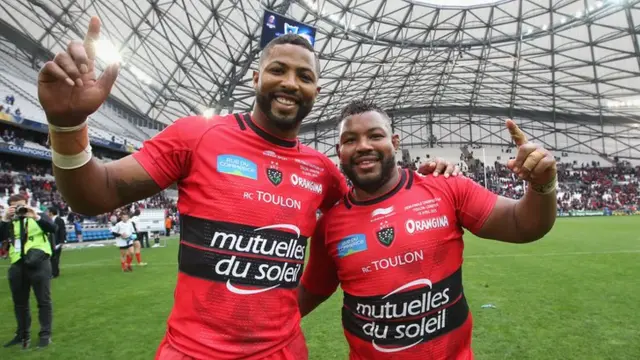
[[628, 104], [144, 78], [209, 112], [107, 51]]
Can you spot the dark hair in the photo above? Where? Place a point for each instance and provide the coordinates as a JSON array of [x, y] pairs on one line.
[[53, 211], [360, 106], [292, 39], [15, 198]]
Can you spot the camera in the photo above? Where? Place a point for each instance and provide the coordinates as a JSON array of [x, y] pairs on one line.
[[21, 210]]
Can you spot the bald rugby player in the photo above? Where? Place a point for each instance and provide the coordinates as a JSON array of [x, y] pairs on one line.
[[395, 245], [249, 192]]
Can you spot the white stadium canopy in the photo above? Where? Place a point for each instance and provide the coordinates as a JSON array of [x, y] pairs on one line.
[[448, 72]]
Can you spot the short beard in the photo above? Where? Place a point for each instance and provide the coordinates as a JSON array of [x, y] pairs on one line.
[[370, 185], [284, 124]]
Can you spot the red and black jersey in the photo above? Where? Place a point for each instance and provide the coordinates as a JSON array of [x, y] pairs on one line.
[[398, 259], [247, 203]]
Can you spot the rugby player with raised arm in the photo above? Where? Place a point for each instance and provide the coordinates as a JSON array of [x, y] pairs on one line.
[[394, 243], [248, 196]]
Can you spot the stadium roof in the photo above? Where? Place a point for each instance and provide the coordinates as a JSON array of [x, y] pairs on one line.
[[569, 60]]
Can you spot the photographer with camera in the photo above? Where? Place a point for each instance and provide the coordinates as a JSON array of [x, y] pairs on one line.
[[30, 267]]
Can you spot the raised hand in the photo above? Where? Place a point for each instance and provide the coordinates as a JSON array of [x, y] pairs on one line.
[[68, 89], [533, 163]]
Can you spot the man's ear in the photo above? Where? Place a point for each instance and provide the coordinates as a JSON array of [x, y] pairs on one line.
[[395, 139], [256, 78], [338, 150]]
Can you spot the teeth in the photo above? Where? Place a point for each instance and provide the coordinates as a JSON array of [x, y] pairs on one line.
[[285, 101]]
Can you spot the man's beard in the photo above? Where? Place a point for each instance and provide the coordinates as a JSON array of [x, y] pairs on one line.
[[287, 123], [370, 184]]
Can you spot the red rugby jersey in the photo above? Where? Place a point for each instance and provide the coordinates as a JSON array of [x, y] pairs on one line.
[[247, 203], [398, 259]]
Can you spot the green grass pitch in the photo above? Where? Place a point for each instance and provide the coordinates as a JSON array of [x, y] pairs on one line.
[[573, 295]]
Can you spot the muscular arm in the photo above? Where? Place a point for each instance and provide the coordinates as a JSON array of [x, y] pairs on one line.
[[521, 221], [307, 301], [97, 188]]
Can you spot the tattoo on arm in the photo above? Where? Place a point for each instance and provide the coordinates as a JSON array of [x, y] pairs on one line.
[[128, 191]]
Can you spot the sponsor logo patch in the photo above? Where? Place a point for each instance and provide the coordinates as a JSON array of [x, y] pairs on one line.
[[248, 260], [416, 312], [306, 184], [238, 166], [421, 225], [352, 244]]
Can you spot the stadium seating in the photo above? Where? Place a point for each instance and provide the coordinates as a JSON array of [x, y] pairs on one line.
[[90, 232], [21, 81]]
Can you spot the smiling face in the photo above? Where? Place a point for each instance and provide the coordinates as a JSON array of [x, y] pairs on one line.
[[367, 150], [287, 85]]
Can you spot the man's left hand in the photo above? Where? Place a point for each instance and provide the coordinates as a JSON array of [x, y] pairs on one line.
[[439, 166]]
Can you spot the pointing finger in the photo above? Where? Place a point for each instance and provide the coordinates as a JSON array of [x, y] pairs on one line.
[[518, 137], [92, 36]]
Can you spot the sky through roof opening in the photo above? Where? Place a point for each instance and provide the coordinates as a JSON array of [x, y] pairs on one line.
[[458, 3]]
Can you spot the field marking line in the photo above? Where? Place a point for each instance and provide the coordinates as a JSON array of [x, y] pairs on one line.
[[576, 253], [103, 262]]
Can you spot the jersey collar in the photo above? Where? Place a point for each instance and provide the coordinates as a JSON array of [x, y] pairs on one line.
[[406, 180], [245, 121]]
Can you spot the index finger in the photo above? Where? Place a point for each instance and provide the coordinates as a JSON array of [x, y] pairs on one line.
[[517, 135], [92, 36]]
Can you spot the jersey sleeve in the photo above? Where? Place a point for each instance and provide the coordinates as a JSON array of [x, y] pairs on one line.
[[336, 189], [473, 202], [167, 156], [320, 276]]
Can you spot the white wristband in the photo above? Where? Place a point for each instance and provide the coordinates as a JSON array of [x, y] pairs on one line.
[[70, 162], [63, 129]]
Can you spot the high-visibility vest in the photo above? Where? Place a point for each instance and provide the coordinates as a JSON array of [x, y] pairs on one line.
[[37, 239]]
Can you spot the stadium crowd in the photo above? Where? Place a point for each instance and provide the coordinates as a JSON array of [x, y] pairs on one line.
[[37, 184], [580, 186]]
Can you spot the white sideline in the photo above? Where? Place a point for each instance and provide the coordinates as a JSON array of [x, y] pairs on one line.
[[482, 256], [115, 261]]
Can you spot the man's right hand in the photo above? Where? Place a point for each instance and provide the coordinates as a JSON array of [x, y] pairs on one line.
[[67, 86]]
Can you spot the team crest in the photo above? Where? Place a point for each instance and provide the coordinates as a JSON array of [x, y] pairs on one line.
[[274, 174], [386, 234]]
